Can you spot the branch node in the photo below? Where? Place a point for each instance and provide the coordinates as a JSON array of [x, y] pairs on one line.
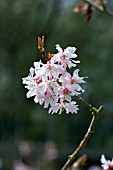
[[70, 157], [96, 111]]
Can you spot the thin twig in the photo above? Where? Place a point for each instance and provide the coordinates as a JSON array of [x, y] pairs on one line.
[[101, 8], [84, 101], [84, 140], [93, 109], [107, 11]]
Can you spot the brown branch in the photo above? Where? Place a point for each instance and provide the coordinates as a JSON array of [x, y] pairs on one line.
[[101, 8], [85, 138]]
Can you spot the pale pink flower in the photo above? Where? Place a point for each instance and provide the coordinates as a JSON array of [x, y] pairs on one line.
[[66, 58], [30, 84], [69, 107], [106, 164], [73, 82]]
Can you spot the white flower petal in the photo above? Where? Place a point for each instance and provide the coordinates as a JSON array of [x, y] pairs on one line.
[[70, 50], [59, 48], [32, 71]]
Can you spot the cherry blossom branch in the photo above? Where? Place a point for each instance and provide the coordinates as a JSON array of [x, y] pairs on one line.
[[95, 114], [101, 7]]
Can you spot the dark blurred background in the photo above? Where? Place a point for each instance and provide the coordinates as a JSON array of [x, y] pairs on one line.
[[30, 138]]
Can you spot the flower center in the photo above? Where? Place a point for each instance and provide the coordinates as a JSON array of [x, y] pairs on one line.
[[63, 56], [72, 80], [65, 91], [110, 166], [38, 80]]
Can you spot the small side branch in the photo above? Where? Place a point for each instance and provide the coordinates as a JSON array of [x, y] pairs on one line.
[[85, 138], [101, 8]]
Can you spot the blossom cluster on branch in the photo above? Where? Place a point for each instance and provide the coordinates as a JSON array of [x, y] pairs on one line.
[[51, 84]]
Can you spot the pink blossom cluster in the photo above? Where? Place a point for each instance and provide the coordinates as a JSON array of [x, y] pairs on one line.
[[52, 85]]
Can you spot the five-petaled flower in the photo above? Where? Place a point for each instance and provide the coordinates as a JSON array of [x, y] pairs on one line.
[[106, 164]]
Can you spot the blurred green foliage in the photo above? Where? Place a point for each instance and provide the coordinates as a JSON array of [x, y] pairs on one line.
[[21, 22]]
